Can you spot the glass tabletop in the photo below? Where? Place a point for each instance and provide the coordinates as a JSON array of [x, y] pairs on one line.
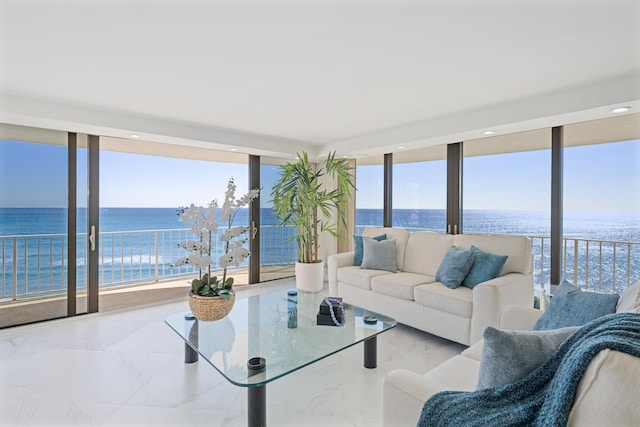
[[257, 327]]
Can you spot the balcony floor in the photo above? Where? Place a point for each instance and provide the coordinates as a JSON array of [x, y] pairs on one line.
[[125, 367]]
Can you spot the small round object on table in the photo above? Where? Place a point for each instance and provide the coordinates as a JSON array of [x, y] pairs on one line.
[[370, 320], [256, 363]]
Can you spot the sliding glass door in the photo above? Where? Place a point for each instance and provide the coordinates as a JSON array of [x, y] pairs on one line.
[[42, 267], [142, 187], [278, 252]]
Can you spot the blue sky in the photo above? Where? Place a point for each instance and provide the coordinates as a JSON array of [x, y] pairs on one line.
[[597, 177]]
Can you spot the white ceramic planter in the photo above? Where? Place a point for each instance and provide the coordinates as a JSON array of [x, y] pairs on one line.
[[310, 277]]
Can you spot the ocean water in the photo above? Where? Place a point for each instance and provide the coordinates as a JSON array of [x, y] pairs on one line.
[[139, 244]]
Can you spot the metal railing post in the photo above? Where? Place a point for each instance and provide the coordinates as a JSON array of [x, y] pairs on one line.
[[542, 262], [575, 261], [628, 264], [156, 233], [14, 297], [614, 267], [586, 269]]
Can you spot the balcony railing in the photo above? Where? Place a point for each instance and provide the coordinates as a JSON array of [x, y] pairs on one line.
[[601, 265], [36, 265]]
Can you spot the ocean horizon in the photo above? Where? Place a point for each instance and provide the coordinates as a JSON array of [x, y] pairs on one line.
[[595, 225]]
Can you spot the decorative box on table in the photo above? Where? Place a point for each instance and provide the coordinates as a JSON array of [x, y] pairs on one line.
[[324, 314]]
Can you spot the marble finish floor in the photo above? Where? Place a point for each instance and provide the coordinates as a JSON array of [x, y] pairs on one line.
[[126, 368]]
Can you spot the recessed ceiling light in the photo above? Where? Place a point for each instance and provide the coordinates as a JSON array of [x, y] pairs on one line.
[[233, 149], [134, 135], [488, 132], [345, 157], [401, 147], [621, 110]]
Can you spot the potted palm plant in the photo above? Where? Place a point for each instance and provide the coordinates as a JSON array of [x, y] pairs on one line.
[[300, 199], [211, 298]]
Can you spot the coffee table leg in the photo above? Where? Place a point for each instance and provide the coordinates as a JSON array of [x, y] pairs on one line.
[[190, 355], [257, 406], [371, 352]]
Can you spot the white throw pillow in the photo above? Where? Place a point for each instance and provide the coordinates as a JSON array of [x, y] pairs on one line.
[[629, 301]]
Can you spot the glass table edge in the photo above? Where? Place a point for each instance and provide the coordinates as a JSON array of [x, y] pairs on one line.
[[392, 322]]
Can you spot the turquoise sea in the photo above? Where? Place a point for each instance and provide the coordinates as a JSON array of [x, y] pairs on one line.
[[600, 225], [40, 263]]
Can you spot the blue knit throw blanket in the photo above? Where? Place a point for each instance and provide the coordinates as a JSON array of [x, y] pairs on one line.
[[545, 397]]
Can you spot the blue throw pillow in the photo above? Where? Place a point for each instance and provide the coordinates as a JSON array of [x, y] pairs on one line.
[[509, 356], [486, 266], [454, 267], [571, 306], [357, 246], [379, 255]]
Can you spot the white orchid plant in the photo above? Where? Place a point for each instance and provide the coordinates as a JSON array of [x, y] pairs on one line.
[[204, 222]]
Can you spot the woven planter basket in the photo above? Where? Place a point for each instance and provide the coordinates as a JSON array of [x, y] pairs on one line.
[[210, 308]]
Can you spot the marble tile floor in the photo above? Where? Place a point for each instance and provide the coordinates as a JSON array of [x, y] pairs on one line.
[[126, 368]]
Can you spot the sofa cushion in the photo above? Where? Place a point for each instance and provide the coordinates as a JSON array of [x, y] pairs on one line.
[[399, 285], [606, 392], [518, 248], [358, 277], [475, 351], [436, 295], [630, 299], [457, 373], [379, 255], [508, 356], [454, 267], [357, 247], [486, 266], [571, 306], [425, 251], [399, 234]]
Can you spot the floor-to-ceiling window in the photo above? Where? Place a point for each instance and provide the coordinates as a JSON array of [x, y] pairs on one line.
[[507, 189], [142, 187], [370, 192], [601, 200], [507, 184], [278, 252], [34, 240], [419, 189]]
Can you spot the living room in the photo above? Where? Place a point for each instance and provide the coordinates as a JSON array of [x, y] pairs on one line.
[[427, 101]]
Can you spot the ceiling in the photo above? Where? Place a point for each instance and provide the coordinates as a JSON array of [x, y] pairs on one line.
[[275, 77]]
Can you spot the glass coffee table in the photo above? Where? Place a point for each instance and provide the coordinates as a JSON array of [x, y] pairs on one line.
[[268, 336]]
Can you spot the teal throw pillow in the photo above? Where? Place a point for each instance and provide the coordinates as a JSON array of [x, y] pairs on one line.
[[571, 306], [357, 246], [486, 266], [509, 356], [379, 255], [454, 267]]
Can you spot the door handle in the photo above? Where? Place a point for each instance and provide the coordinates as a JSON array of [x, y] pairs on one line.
[[92, 238], [448, 228], [254, 230], [455, 228]]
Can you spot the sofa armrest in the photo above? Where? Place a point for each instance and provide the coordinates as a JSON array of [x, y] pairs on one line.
[[403, 396], [519, 318], [492, 296], [334, 262]]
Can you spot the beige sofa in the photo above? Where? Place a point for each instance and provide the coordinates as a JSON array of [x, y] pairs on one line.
[[606, 394], [413, 296]]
